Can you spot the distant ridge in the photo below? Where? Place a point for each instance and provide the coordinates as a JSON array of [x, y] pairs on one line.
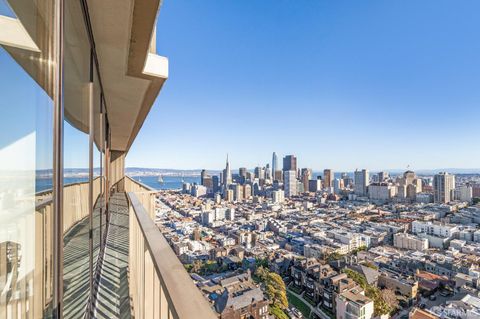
[[132, 171]]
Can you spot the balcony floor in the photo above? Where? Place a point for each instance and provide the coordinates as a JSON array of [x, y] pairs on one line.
[[76, 265], [76, 268], [113, 300]]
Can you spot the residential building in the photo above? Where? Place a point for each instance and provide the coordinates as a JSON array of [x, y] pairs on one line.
[[278, 196], [314, 185], [241, 298], [290, 185], [353, 304], [401, 285], [328, 177], [242, 172], [437, 233], [198, 190], [464, 193], [333, 285], [443, 186], [306, 174], [337, 185], [381, 191], [434, 228], [361, 182], [382, 176], [408, 241], [259, 172], [238, 192], [290, 163]]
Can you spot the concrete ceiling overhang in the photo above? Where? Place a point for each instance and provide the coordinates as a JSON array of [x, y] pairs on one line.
[[124, 34], [131, 73]]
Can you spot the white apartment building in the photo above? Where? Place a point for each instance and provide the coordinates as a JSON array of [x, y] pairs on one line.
[[208, 217], [381, 191], [464, 193], [199, 190], [352, 240], [353, 304], [290, 178], [276, 226], [218, 214], [361, 182], [409, 241], [438, 234], [438, 229], [443, 186], [278, 196]]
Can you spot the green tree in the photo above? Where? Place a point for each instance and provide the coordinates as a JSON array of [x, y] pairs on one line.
[[369, 264], [380, 306], [333, 256], [261, 262], [261, 273], [196, 266], [275, 289], [389, 297]]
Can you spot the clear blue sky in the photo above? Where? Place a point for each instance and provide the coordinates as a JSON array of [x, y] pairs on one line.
[[341, 84]]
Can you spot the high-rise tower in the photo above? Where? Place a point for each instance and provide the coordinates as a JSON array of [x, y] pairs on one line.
[[328, 177], [290, 163], [361, 182], [274, 163], [227, 174], [443, 186]]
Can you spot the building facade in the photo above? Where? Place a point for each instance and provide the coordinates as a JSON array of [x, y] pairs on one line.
[[443, 186], [290, 183], [361, 182]]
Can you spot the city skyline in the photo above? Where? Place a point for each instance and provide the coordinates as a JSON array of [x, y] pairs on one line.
[[240, 159], [341, 85], [317, 169]]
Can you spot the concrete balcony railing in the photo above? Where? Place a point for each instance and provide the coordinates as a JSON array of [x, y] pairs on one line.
[[160, 287], [16, 296]]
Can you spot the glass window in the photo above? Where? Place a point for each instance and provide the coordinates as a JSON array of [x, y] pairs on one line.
[[98, 171], [26, 159], [76, 209]]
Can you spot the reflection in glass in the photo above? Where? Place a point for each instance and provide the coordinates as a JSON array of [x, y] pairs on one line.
[[26, 148], [76, 210]]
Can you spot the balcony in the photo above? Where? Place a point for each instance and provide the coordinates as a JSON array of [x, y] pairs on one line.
[[138, 273], [88, 73], [159, 284]]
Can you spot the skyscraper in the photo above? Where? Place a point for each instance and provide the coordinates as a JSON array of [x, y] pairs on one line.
[[306, 176], [227, 174], [268, 172], [203, 174], [274, 163], [328, 177], [361, 182], [382, 176], [290, 163], [206, 180], [443, 186], [337, 185], [290, 178], [216, 183], [242, 172], [259, 172]]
